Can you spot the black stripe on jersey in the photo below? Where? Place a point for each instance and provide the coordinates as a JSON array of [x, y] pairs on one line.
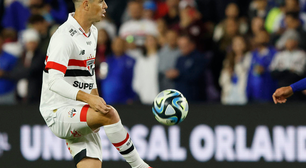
[[76, 72], [128, 150]]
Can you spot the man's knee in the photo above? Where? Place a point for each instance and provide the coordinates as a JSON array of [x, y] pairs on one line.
[[109, 118], [97, 119], [113, 116]]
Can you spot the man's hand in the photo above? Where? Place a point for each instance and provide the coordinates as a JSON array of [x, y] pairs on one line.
[[1, 73], [259, 69], [98, 104], [281, 94], [95, 102], [172, 73]]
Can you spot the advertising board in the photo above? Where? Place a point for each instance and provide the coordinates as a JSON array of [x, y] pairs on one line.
[[211, 136]]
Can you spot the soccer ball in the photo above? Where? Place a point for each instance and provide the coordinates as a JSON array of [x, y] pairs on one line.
[[170, 107]]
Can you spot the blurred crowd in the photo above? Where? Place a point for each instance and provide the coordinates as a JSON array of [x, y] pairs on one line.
[[229, 51]]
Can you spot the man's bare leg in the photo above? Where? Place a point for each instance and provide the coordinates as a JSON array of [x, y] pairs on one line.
[[89, 163], [96, 120]]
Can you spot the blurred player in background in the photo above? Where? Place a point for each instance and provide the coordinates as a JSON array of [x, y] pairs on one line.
[[70, 103], [281, 94]]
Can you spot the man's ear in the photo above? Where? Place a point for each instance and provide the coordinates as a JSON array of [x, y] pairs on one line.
[[86, 5]]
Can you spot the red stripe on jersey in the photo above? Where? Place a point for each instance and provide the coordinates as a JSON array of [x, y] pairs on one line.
[[83, 115], [80, 63], [74, 62], [83, 32], [122, 142], [56, 66]]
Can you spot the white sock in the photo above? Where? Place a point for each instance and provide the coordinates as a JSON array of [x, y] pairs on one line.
[[119, 137]]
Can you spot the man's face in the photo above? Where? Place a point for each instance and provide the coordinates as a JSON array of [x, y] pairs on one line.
[[97, 10], [135, 10], [292, 5], [257, 24], [261, 4], [172, 3], [171, 37], [41, 27], [232, 10], [150, 41], [36, 6], [148, 14], [291, 44], [231, 27], [31, 46], [262, 38], [185, 45], [291, 22]]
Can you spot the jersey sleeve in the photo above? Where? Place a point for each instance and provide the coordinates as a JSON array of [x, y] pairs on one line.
[[59, 51], [299, 86], [58, 85], [58, 54]]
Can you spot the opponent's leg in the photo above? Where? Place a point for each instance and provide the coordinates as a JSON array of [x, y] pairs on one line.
[[89, 163], [117, 135]]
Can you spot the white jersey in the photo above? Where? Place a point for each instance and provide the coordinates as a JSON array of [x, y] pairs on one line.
[[139, 29], [72, 52], [294, 61]]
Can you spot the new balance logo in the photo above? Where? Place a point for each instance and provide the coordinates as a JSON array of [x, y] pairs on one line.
[[82, 52], [88, 42]]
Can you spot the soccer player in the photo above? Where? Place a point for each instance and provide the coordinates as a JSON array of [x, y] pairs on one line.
[[70, 103], [281, 94]]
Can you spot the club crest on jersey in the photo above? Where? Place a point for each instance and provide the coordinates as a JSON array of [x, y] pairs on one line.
[[90, 64], [72, 113]]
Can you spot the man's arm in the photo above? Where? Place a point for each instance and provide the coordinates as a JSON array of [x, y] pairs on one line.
[[94, 101], [58, 85], [95, 92], [281, 94], [60, 48], [299, 86]]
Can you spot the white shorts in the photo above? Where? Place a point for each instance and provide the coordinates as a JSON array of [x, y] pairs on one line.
[[70, 124]]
